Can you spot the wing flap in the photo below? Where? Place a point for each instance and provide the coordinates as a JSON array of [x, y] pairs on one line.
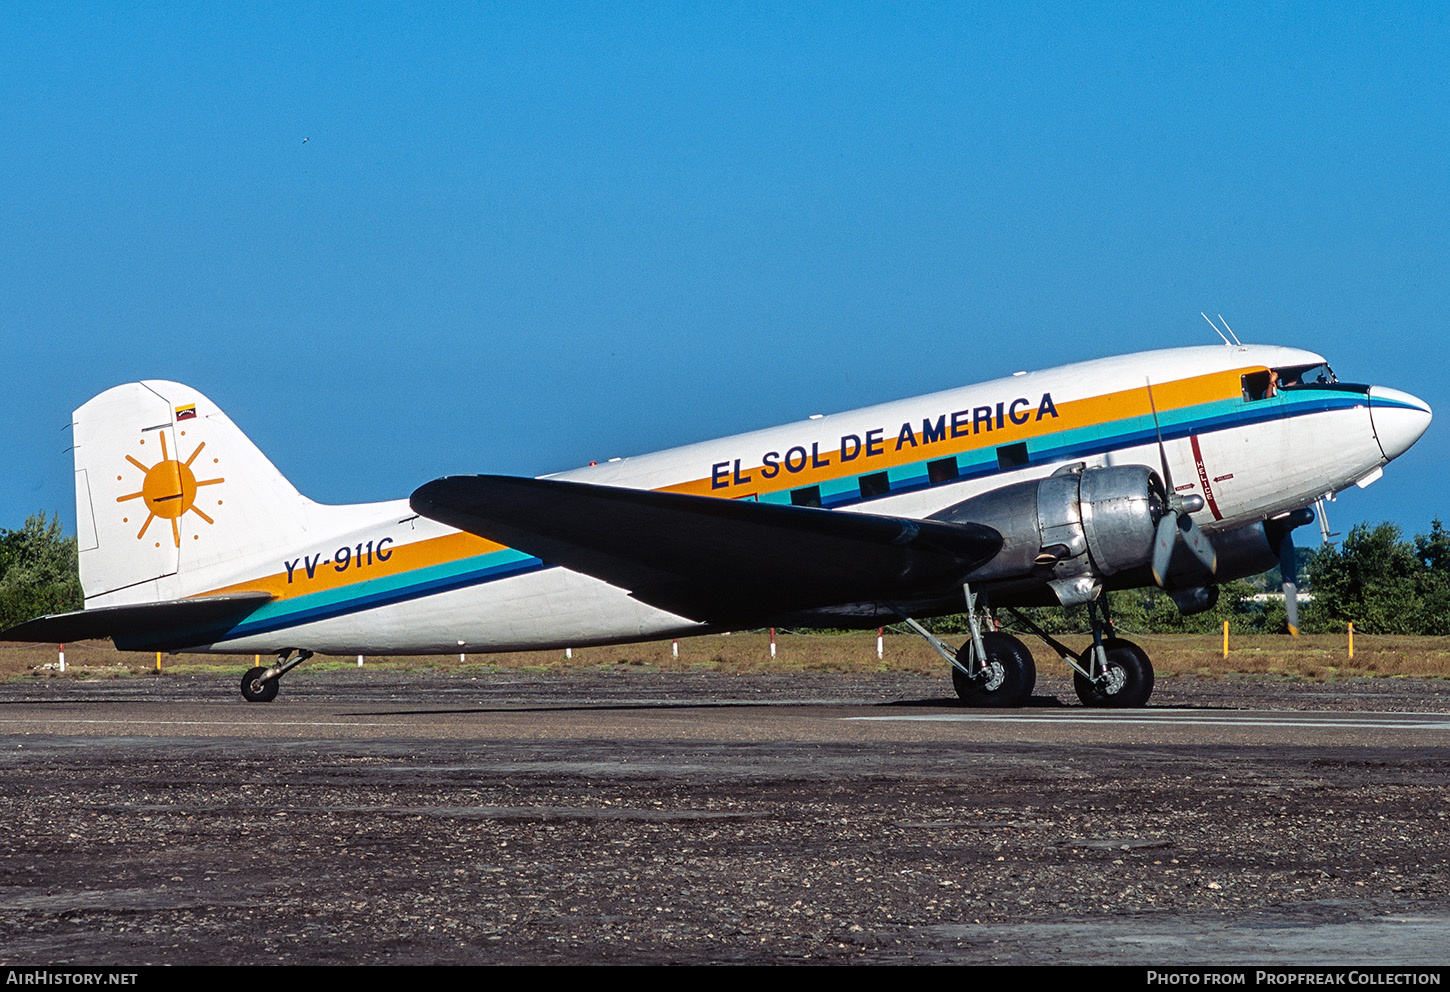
[[713, 560]]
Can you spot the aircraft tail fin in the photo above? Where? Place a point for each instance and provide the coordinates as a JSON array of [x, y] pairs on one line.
[[168, 489]]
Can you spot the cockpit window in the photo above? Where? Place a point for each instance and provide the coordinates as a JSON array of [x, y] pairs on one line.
[[1306, 376], [1257, 385], [1266, 384]]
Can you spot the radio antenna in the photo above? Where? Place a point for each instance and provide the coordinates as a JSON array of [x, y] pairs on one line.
[[1215, 328], [1230, 331]]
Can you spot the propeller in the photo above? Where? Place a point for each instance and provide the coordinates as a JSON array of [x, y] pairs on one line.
[[1176, 524], [1289, 564], [1289, 568]]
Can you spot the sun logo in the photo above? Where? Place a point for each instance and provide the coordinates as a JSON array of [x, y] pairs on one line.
[[168, 490]]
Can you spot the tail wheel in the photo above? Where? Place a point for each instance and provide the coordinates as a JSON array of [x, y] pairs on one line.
[[1127, 682], [1006, 680], [259, 692]]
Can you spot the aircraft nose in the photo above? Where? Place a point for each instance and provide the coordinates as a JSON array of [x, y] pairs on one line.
[[1399, 419]]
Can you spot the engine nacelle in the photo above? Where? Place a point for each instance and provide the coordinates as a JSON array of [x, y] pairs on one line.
[[1073, 529], [1246, 551], [1243, 551]]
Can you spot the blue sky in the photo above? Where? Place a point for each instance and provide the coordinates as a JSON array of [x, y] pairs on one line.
[[519, 237]]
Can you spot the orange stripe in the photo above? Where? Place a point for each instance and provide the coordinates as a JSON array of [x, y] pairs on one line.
[[1090, 411], [401, 558]]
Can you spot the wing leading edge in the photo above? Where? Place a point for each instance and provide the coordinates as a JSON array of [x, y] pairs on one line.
[[720, 561]]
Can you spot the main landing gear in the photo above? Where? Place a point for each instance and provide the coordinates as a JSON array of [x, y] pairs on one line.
[[1007, 678], [1111, 672], [995, 669], [1124, 675], [260, 685]]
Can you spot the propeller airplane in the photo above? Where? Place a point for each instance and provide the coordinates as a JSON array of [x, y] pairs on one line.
[[1180, 468]]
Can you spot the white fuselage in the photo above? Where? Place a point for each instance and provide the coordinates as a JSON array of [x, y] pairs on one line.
[[377, 578]]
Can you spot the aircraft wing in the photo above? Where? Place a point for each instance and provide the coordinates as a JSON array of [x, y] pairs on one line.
[[712, 560], [179, 623]]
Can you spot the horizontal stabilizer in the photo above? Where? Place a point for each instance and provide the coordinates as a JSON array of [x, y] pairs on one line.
[[714, 560], [179, 623]]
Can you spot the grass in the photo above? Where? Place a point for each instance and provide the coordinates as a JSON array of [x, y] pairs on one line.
[[1317, 657]]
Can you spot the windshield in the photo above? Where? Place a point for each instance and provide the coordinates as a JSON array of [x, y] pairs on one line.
[[1295, 376], [1266, 384]]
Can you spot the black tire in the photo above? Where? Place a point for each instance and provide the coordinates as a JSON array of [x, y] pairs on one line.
[[1130, 677], [264, 693], [1013, 673]]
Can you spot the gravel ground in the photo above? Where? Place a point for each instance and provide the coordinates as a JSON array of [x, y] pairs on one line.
[[135, 849]]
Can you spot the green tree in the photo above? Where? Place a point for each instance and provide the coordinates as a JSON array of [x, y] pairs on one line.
[[1375, 580], [38, 572], [1433, 550], [1150, 610], [1380, 582]]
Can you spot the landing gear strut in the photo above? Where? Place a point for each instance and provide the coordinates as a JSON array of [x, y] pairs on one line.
[[260, 685], [993, 669], [1112, 672]]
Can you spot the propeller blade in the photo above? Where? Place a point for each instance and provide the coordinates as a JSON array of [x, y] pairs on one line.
[[1162, 451], [1289, 567], [1198, 543], [1164, 538], [1176, 522], [1176, 525]]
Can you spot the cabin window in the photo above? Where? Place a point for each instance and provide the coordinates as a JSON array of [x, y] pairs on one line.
[[809, 496], [941, 470], [1012, 455], [876, 484]]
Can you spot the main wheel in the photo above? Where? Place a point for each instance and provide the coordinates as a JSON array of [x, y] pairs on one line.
[[1128, 681], [263, 693], [1009, 677]]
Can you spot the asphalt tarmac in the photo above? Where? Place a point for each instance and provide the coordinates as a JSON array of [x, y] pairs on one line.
[[638, 817]]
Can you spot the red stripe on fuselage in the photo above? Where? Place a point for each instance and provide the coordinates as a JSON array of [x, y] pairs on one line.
[[1203, 478]]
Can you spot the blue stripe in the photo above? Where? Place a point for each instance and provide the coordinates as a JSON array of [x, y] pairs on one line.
[[416, 584]]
